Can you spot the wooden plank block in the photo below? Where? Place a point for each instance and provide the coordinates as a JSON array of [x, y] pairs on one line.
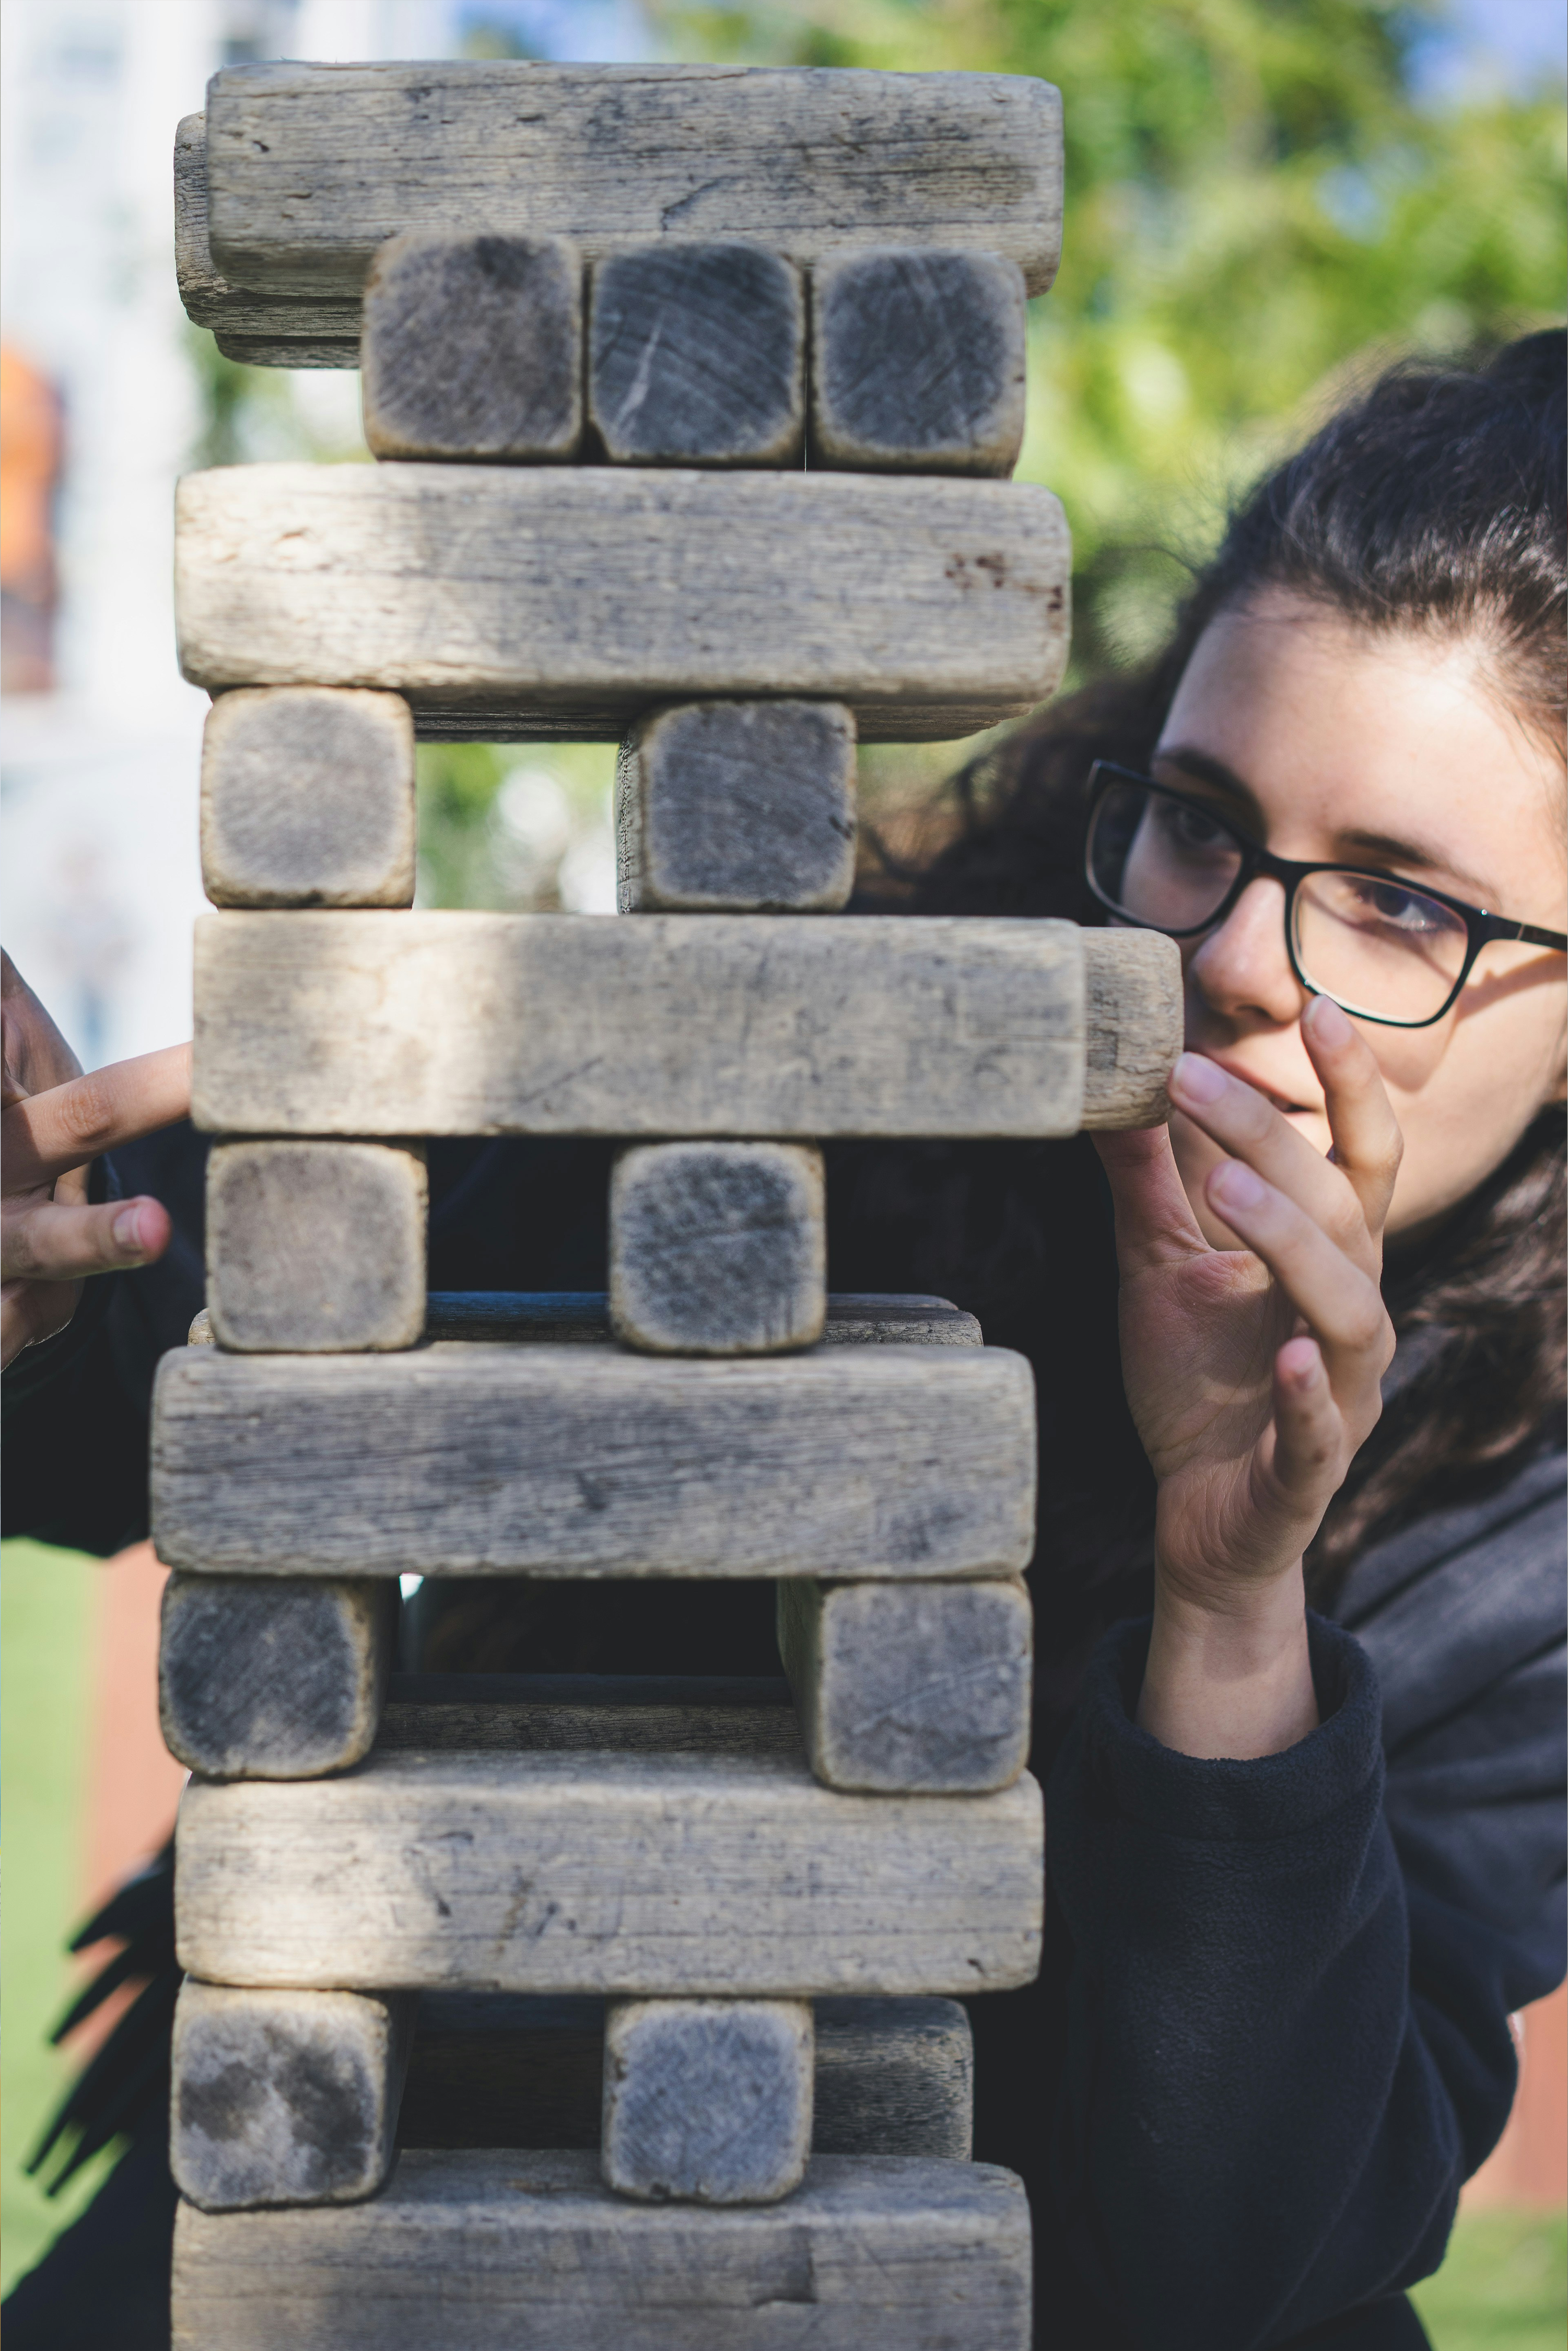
[[280, 1680], [511, 2252], [285, 2097], [696, 1714], [472, 348], [870, 1319], [786, 1026], [918, 361], [596, 590], [582, 1318], [903, 1689], [508, 2069], [307, 799], [315, 1248], [736, 807], [697, 356], [707, 2101], [311, 167], [718, 1249], [263, 329], [474, 1459], [1133, 1012], [641, 1875]]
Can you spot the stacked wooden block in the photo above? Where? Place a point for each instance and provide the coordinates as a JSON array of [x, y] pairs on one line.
[[661, 1975]]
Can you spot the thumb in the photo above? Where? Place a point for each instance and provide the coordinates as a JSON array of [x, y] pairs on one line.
[[1154, 1222]]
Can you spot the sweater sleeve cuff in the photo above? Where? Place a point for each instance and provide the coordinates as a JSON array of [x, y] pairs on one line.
[[1222, 1798]]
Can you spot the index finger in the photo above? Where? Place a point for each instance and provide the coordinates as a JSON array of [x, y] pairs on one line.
[[1367, 1144], [49, 1134]]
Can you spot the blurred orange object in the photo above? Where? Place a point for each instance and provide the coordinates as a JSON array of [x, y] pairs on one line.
[[1529, 2165], [31, 440]]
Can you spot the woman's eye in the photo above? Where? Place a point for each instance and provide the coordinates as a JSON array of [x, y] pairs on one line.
[[1188, 828], [1396, 908]]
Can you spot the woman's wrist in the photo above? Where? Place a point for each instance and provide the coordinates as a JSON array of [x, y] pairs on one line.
[[1231, 1678]]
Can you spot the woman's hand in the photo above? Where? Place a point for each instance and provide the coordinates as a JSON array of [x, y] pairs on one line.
[[53, 1123], [1253, 1376]]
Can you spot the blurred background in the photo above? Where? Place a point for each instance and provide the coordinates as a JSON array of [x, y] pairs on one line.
[[1265, 199]]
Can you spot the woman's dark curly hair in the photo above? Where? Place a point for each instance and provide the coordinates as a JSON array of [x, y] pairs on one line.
[[1433, 502]]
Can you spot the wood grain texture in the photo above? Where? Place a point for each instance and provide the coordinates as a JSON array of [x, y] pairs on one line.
[[582, 1318], [315, 1248], [285, 2097], [509, 2069], [468, 1458], [311, 167], [787, 1027], [594, 591], [641, 1714], [707, 2101], [263, 329], [918, 361], [697, 356], [279, 1680], [737, 808], [472, 348], [509, 2251], [307, 799], [718, 1249], [902, 1689], [1132, 988], [639, 1875]]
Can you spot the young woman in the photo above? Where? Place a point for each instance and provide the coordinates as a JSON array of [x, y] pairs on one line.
[[1304, 1859]]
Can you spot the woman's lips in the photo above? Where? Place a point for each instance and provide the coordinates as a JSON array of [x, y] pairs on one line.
[[1281, 1102]]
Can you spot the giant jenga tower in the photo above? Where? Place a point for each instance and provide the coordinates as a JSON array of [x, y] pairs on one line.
[[696, 391]]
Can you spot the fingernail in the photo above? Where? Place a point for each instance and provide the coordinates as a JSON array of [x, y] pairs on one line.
[[1201, 1081], [128, 1230], [1329, 1024], [1236, 1187]]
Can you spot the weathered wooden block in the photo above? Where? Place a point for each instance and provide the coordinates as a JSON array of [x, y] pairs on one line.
[[902, 1688], [918, 361], [508, 2069], [697, 356], [718, 1249], [276, 1680], [582, 1318], [724, 1876], [873, 1319], [932, 608], [504, 2251], [285, 2097], [263, 329], [788, 1027], [1133, 1017], [307, 799], [708, 2101], [315, 1248], [472, 348], [311, 167], [736, 807], [470, 1458], [696, 1714]]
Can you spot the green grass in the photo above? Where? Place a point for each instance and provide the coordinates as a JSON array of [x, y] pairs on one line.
[[47, 1604], [1504, 2286]]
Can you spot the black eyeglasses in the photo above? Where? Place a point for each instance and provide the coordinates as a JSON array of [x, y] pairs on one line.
[[1380, 948]]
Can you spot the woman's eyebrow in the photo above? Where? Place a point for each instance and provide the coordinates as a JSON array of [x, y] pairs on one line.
[[1206, 769], [1389, 850]]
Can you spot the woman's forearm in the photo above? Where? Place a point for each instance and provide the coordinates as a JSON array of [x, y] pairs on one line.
[[1234, 1681]]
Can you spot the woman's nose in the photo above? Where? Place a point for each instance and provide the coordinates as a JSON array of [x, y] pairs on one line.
[[1242, 969]]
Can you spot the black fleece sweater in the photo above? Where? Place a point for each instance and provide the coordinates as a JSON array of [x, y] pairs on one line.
[[1269, 2038]]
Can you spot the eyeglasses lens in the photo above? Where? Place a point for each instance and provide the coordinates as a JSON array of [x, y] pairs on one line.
[[1160, 860]]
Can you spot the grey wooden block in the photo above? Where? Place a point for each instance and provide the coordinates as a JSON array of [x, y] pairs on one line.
[[509, 2069], [792, 1026], [707, 2101], [470, 1458], [730, 1877], [582, 1318], [917, 603], [307, 799], [698, 1714], [736, 807], [285, 2097], [718, 1249], [504, 2251], [870, 1319], [311, 167], [1133, 1012], [315, 1247], [201, 1330], [918, 361], [697, 356], [263, 329], [472, 348], [903, 1689], [280, 1680]]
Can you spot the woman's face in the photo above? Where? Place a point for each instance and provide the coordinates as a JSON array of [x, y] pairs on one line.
[[1323, 741]]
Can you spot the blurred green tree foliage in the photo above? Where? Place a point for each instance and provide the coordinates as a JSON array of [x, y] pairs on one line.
[[1259, 209]]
